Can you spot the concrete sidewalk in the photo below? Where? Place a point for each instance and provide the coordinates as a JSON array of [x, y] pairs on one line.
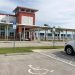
[[29, 43]]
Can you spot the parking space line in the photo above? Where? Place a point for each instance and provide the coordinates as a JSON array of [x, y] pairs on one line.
[[58, 59]]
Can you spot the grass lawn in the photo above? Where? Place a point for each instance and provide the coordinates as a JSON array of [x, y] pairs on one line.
[[45, 47], [54, 40], [26, 49]]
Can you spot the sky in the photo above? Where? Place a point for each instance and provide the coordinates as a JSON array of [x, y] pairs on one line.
[[58, 13]]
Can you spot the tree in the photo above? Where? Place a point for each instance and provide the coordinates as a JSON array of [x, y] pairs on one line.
[[46, 25]]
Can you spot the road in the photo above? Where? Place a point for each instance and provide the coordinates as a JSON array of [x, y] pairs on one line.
[[52, 62]]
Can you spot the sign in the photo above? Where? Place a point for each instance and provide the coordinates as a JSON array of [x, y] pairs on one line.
[[14, 26], [38, 70]]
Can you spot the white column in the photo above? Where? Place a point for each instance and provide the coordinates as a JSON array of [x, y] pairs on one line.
[[72, 35], [34, 35], [20, 35], [29, 35], [57, 35], [63, 36], [60, 35], [53, 35], [7, 26], [38, 35], [46, 34], [0, 32], [7, 32], [24, 34], [66, 35]]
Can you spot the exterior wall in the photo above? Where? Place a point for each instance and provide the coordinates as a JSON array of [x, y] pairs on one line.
[[18, 18], [7, 18], [21, 14], [4, 18], [3, 31], [21, 18]]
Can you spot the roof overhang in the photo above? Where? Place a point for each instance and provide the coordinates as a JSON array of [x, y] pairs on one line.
[[6, 23], [35, 10], [46, 27]]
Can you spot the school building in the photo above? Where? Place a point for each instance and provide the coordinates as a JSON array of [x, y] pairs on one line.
[[24, 19], [26, 29]]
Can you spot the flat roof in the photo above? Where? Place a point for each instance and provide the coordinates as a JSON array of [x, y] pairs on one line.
[[35, 10], [7, 14]]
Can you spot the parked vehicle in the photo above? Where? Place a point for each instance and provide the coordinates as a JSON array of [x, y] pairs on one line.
[[70, 48]]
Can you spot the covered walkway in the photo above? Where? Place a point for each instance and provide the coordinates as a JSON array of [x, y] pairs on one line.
[[25, 32]]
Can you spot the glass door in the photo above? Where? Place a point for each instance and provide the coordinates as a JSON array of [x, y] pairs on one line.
[[26, 35]]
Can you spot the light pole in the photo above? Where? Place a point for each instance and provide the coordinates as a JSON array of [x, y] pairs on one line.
[[53, 36], [14, 27]]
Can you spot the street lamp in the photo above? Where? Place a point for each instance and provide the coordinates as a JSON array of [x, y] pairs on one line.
[[53, 31]]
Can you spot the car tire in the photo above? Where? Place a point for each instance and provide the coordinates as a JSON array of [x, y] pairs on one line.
[[69, 50]]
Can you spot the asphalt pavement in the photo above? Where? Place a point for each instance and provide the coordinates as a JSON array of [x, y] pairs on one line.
[[50, 62]]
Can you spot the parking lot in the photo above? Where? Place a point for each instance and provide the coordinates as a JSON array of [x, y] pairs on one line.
[[50, 62]]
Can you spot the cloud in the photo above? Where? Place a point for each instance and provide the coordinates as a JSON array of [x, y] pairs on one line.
[[7, 5], [53, 12], [58, 12]]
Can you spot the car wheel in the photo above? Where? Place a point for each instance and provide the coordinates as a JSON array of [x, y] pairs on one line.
[[69, 50]]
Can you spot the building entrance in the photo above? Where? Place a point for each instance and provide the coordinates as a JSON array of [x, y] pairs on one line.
[[25, 34]]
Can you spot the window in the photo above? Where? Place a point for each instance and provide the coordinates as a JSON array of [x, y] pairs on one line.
[[27, 20], [11, 34], [32, 11], [22, 9], [2, 33], [28, 10], [41, 33], [3, 21], [30, 20], [2, 28], [11, 22], [49, 34]]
